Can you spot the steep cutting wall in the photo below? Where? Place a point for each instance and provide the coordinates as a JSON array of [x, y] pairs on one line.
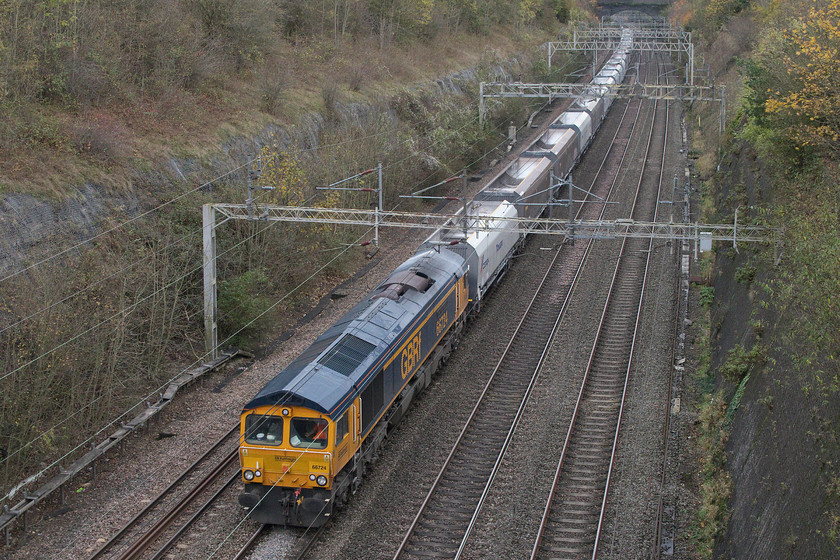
[[782, 452], [29, 225]]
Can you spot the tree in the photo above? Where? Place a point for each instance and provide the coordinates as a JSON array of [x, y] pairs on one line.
[[812, 61]]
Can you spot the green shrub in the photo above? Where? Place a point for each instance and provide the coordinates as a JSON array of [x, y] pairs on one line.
[[745, 274], [707, 296], [715, 485], [241, 301], [739, 361]]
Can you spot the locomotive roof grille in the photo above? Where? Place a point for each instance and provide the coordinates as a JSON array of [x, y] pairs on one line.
[[347, 355], [299, 363]]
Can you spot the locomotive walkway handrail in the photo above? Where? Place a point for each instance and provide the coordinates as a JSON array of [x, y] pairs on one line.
[[57, 482]]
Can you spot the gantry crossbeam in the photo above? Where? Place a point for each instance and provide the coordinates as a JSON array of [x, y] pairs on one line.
[[581, 229], [668, 92], [608, 44], [681, 92], [650, 39], [639, 34]]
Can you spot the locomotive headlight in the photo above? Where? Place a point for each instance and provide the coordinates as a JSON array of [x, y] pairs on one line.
[[258, 473], [312, 477], [321, 480], [248, 475]]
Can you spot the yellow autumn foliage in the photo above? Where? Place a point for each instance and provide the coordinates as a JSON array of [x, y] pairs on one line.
[[282, 171], [813, 62]]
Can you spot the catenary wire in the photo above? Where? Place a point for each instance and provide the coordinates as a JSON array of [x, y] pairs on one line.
[[20, 449], [120, 225], [300, 383], [193, 364], [197, 268], [277, 303], [121, 311], [100, 281]]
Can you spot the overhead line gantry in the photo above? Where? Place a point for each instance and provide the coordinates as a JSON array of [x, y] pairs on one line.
[[649, 35], [701, 234]]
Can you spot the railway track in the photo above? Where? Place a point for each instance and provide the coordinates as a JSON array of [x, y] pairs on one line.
[[163, 520], [574, 514], [443, 523], [249, 544], [449, 507], [303, 544], [663, 534], [477, 442]]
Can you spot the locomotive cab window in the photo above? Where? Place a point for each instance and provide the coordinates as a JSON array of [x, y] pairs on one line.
[[308, 433], [342, 428], [263, 430]]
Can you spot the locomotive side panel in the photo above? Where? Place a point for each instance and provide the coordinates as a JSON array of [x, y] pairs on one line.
[[403, 364]]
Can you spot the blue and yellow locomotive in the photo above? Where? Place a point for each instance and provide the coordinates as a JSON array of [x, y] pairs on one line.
[[308, 435]]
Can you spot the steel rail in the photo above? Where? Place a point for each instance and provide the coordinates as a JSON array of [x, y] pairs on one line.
[[666, 427], [188, 523], [472, 415], [246, 548], [524, 402], [19, 510], [635, 333], [589, 370], [140, 546], [308, 546], [487, 387], [157, 499], [545, 352]]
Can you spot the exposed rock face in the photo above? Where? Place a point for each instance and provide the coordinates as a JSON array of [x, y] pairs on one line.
[[31, 227], [781, 451]]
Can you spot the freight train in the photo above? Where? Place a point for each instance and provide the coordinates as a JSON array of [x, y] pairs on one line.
[[309, 435]]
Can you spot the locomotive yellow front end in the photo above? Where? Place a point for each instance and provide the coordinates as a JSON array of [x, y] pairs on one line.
[[286, 457], [309, 434]]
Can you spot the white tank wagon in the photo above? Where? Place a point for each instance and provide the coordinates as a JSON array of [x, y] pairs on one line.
[[486, 252]]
